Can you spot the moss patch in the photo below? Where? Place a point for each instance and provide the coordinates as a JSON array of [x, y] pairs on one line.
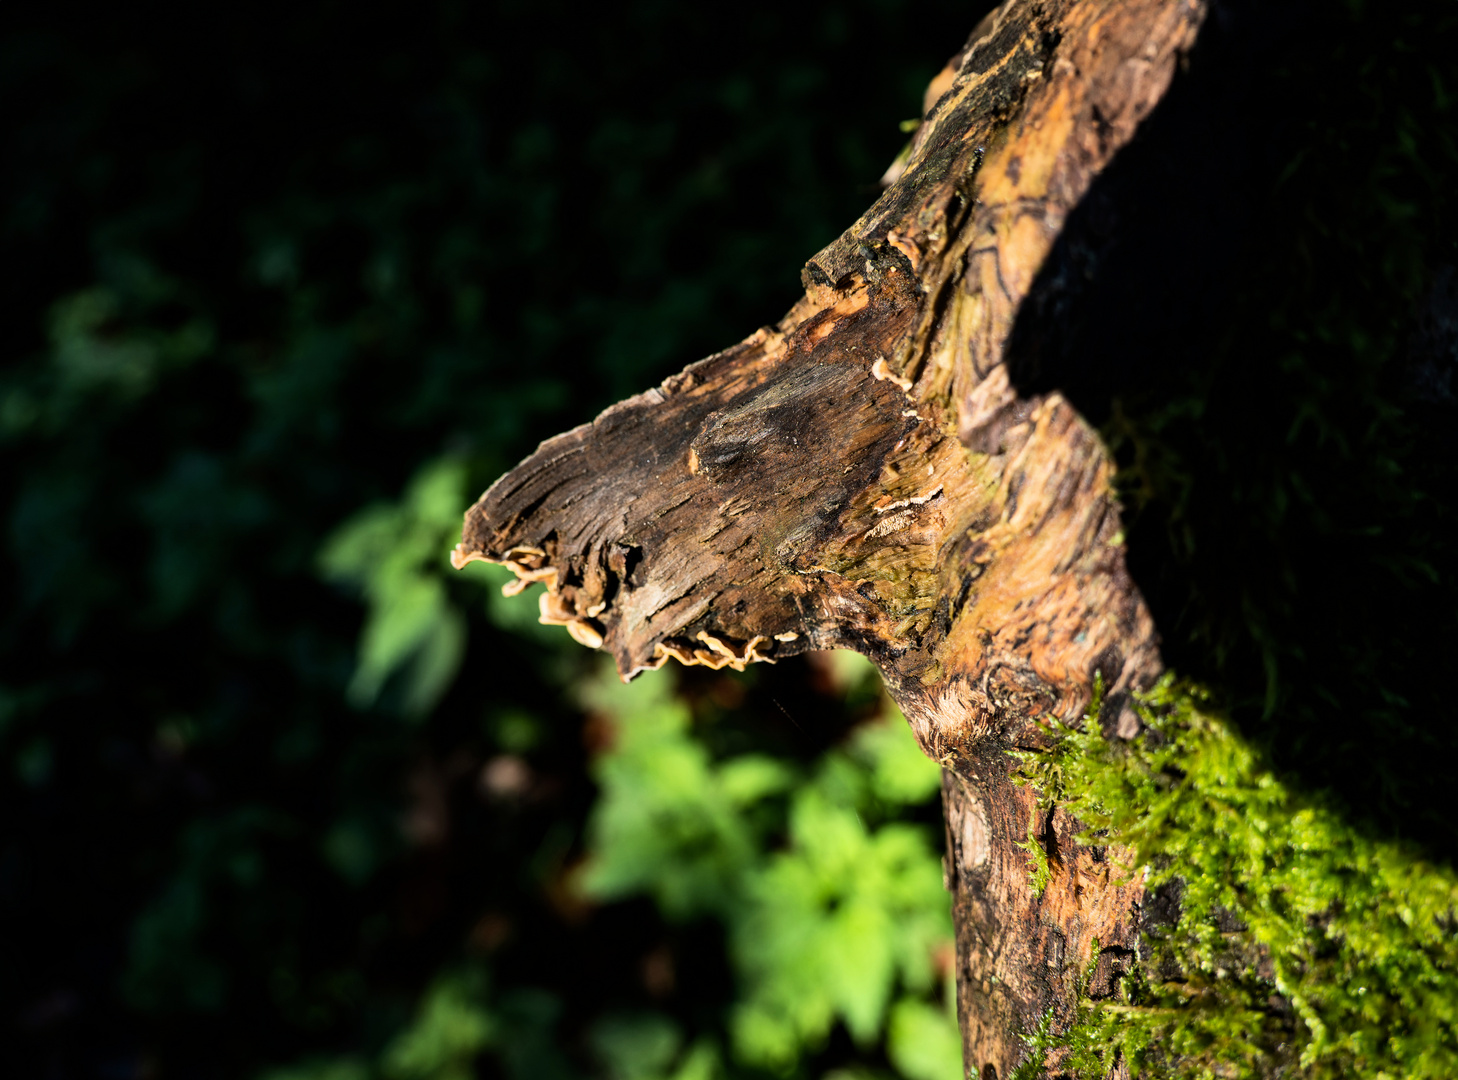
[[1298, 942]]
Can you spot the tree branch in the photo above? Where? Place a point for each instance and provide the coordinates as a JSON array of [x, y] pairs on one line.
[[864, 475]]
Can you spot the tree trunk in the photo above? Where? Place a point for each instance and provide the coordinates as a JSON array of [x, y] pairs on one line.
[[865, 475]]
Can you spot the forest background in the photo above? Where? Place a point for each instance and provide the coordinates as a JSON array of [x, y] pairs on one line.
[[284, 798], [282, 795]]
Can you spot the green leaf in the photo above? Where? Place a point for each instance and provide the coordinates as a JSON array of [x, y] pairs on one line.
[[900, 773], [451, 1027], [395, 556], [635, 1046], [923, 1042], [822, 931], [670, 822]]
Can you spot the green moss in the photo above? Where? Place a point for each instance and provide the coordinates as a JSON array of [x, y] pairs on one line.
[[1038, 873], [1041, 1042], [1300, 941]]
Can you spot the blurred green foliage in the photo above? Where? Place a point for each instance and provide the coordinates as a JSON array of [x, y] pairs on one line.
[[828, 895], [290, 284], [392, 553], [825, 929]]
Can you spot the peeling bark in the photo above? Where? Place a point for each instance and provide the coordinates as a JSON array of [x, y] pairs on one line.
[[864, 475]]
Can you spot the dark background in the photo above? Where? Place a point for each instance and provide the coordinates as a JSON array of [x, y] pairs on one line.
[[263, 263]]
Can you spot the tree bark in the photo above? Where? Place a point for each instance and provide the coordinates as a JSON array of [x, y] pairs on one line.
[[865, 475]]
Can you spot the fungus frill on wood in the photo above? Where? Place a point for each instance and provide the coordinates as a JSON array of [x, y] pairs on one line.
[[865, 475]]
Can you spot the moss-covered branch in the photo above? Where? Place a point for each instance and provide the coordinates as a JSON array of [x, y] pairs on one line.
[[1287, 936]]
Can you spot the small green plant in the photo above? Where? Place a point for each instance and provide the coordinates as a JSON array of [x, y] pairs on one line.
[[1039, 873], [832, 901], [394, 553], [1040, 1042]]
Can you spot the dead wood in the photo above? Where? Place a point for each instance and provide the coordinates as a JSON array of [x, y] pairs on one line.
[[864, 475]]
